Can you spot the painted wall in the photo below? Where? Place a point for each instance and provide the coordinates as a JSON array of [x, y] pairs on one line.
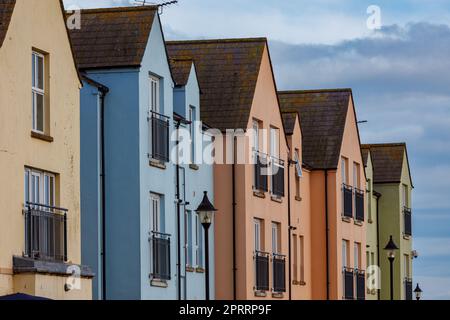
[[301, 221], [372, 230], [338, 228], [37, 24], [264, 108], [391, 223]]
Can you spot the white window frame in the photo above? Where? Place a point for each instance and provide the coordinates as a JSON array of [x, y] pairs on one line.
[[155, 213], [356, 256], [43, 190], [404, 196], [154, 94], [356, 179], [36, 91], [192, 119], [189, 240], [257, 234], [255, 135], [275, 238], [345, 253], [275, 142], [344, 162]]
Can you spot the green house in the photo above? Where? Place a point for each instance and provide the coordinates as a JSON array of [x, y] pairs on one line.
[[389, 210]]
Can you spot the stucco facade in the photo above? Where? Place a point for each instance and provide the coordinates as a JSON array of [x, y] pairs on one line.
[[39, 26]]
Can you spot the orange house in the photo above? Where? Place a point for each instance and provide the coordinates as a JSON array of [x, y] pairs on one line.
[[251, 226], [331, 149]]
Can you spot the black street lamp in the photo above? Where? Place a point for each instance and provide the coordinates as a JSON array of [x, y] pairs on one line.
[[391, 247], [206, 212], [418, 292]]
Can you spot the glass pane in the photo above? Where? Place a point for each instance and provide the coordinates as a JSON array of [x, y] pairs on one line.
[[39, 112], [40, 72], [33, 70]]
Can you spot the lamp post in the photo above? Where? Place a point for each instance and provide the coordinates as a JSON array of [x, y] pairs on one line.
[[418, 292], [206, 212], [391, 247]]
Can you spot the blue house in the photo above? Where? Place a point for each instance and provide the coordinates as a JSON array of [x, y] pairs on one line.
[[135, 234]]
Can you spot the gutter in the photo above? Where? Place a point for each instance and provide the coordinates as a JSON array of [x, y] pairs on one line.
[[234, 219], [378, 195], [290, 228], [326, 234]]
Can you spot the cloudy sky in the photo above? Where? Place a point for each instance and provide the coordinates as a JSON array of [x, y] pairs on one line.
[[400, 75]]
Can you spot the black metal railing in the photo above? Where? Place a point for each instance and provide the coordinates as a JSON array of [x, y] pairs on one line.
[[261, 173], [407, 219], [159, 136], [161, 255], [347, 198], [360, 279], [262, 271], [277, 177], [348, 283], [359, 205], [279, 273], [45, 232], [408, 289]]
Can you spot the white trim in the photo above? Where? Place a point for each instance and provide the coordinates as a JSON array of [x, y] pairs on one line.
[[154, 94]]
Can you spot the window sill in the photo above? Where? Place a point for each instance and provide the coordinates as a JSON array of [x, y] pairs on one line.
[[200, 270], [346, 219], [297, 198], [159, 283], [260, 294], [157, 164], [194, 167], [277, 295], [358, 223], [298, 283], [407, 237], [41, 136], [189, 269], [276, 199], [370, 221], [259, 194]]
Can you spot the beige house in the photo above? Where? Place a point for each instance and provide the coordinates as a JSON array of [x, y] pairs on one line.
[[39, 154]]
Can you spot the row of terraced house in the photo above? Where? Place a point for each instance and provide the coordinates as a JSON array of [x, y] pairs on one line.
[[97, 204]]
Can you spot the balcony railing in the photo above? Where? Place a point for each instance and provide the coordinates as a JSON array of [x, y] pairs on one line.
[[279, 273], [161, 255], [347, 198], [407, 218], [45, 232], [277, 177], [359, 205], [261, 172], [159, 136], [262, 271], [408, 289], [348, 282], [360, 279]]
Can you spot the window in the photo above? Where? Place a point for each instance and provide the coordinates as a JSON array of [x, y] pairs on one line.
[[302, 258], [368, 263], [295, 257], [345, 254], [189, 244], [299, 173], [276, 246], [356, 176], [404, 196], [406, 265], [258, 224], [40, 187], [198, 242], [344, 170], [38, 91], [256, 125], [357, 256], [155, 213], [274, 142], [154, 102], [372, 257], [192, 119]]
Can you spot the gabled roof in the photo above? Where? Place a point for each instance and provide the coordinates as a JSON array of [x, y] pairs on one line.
[[6, 11], [387, 160], [227, 71], [289, 122], [113, 37], [181, 69], [323, 115]]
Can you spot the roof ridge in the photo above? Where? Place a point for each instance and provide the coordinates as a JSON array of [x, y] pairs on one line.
[[118, 9], [391, 144], [315, 91], [226, 40]]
